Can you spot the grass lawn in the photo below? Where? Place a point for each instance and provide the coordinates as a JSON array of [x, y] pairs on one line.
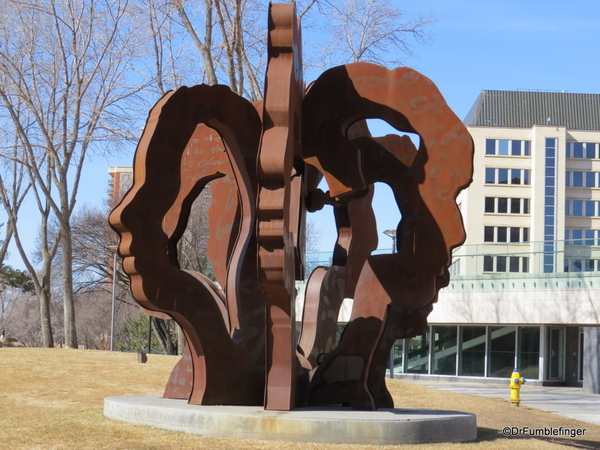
[[53, 399]]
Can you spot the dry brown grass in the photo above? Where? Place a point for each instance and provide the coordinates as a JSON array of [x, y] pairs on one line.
[[53, 399]]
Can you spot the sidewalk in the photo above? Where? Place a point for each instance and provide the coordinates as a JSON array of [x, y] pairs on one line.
[[565, 401]]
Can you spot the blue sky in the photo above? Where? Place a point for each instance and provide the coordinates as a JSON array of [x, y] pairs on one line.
[[498, 44], [509, 45], [495, 44]]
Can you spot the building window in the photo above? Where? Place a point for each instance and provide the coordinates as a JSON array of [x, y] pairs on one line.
[[504, 264], [515, 206], [500, 205], [501, 234], [469, 347], [507, 147], [502, 146], [505, 234], [488, 234], [590, 179], [500, 263], [581, 208], [575, 236], [398, 355], [550, 200], [590, 209], [417, 358], [472, 351], [502, 342], [590, 237], [581, 179], [528, 358], [455, 267], [587, 150], [581, 265], [514, 262], [519, 176], [488, 263], [445, 348], [503, 176], [573, 264]]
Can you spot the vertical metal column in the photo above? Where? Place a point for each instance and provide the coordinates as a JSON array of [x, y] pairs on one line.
[[112, 313]]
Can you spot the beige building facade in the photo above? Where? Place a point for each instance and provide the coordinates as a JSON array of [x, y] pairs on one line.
[[525, 290]]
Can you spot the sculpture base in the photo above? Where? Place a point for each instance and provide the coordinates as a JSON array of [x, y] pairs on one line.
[[313, 424]]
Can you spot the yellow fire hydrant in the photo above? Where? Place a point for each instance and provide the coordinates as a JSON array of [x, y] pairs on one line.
[[516, 380]]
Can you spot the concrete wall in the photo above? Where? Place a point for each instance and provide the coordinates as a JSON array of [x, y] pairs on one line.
[[591, 361], [513, 306]]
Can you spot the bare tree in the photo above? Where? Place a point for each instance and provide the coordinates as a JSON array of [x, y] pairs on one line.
[[65, 93], [65, 62], [93, 251], [191, 248], [19, 316], [168, 61], [372, 31], [15, 183], [229, 35]]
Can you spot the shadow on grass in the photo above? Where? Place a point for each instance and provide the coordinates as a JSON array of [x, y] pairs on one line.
[[490, 434]]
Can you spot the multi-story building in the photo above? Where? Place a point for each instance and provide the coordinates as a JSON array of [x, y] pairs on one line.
[[525, 287], [536, 187], [121, 181]]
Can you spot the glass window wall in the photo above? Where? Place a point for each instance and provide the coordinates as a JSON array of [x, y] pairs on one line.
[[445, 340], [417, 358], [502, 341], [463, 348], [529, 352], [472, 347], [398, 355]]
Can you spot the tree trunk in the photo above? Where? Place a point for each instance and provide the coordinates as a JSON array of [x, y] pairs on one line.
[[67, 281], [204, 47], [41, 281], [180, 340], [164, 338], [46, 324]]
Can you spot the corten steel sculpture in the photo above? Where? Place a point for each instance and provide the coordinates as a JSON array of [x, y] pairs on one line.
[[264, 163]]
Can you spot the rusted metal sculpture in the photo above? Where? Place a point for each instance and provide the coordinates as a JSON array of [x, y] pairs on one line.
[[395, 291], [278, 230], [264, 163]]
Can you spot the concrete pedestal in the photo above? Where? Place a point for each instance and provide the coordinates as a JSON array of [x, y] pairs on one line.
[[591, 360], [328, 425]]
